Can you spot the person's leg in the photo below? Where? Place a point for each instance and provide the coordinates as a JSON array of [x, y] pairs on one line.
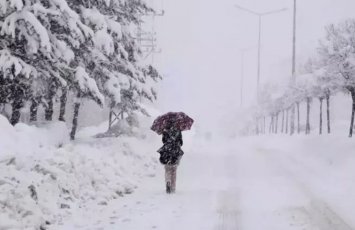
[[166, 173], [168, 181], [173, 178]]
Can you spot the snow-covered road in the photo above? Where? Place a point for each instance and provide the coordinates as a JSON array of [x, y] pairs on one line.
[[223, 185]]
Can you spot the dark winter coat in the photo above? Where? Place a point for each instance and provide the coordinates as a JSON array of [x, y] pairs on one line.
[[171, 151]]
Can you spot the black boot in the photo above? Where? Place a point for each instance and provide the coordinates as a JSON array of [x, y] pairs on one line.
[[168, 187]]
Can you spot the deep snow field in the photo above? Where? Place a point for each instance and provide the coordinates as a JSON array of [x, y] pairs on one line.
[[46, 180], [272, 182]]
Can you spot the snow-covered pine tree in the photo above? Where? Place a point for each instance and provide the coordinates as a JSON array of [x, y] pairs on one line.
[[84, 87], [50, 47], [20, 32], [35, 49], [115, 60]]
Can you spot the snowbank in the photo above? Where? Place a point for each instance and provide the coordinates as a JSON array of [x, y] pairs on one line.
[[45, 179], [25, 139]]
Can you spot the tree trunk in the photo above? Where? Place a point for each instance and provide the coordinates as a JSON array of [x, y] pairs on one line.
[[308, 126], [352, 91], [320, 116], [286, 125], [63, 102], [259, 126], [292, 122], [75, 118], [270, 125], [277, 122], [34, 109], [49, 109], [110, 119], [283, 121], [17, 104], [328, 112], [298, 118], [273, 123], [264, 125]]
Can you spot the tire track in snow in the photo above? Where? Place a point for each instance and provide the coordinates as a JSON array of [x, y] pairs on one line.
[[227, 210], [318, 215], [326, 218]]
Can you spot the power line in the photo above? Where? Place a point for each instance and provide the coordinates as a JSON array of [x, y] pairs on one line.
[[147, 39]]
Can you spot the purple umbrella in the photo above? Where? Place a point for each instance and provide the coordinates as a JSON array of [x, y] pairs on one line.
[[180, 120]]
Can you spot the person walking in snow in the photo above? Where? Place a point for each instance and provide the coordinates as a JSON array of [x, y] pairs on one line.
[[170, 125], [170, 155]]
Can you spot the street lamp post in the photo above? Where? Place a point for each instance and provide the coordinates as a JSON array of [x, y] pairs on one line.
[[242, 76], [260, 16], [242, 56], [293, 76], [294, 44]]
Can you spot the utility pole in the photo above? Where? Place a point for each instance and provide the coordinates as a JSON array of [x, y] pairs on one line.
[[260, 15], [147, 40], [293, 77]]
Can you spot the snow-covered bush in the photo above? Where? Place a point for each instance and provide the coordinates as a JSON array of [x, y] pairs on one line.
[[45, 179]]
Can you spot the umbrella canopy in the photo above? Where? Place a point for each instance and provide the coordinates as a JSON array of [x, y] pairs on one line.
[[179, 119]]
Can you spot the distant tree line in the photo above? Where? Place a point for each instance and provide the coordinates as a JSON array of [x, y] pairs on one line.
[[330, 71], [52, 48]]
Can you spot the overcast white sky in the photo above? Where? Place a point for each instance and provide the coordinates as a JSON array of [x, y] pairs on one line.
[[201, 42]]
